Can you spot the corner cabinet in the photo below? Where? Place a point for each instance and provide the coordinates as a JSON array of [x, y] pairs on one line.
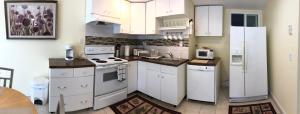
[[132, 76], [150, 18], [209, 21], [156, 80], [138, 18], [169, 7]]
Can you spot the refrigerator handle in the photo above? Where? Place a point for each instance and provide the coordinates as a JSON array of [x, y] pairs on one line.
[[246, 58]]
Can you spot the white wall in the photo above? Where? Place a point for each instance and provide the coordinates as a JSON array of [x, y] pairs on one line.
[[29, 58], [283, 52]]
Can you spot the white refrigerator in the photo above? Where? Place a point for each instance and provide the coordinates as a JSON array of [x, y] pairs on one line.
[[248, 64]]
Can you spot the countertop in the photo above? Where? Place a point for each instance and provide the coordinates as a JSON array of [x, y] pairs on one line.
[[76, 63], [168, 62], [213, 62]]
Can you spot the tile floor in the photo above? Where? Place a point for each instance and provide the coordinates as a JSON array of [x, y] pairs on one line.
[[186, 107]]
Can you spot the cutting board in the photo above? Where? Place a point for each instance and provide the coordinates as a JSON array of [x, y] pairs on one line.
[[200, 61]]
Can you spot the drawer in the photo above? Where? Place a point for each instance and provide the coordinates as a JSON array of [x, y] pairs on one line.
[[64, 72], [72, 103], [152, 66], [87, 71], [168, 69], [71, 86]]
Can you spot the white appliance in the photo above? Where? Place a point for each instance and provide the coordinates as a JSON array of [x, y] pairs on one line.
[[204, 53], [69, 53], [248, 64], [110, 82], [203, 82]]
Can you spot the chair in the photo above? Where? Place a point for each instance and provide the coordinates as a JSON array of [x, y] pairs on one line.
[[6, 74], [61, 106]]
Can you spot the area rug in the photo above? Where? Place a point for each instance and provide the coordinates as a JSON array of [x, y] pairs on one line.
[[263, 108], [139, 105]]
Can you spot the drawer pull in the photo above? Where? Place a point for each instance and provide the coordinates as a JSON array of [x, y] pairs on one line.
[[83, 102], [61, 88], [84, 86]]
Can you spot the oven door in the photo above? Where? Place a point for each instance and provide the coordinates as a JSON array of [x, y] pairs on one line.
[[109, 79]]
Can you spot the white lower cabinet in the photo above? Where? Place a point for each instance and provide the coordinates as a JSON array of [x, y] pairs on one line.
[[166, 83], [75, 84], [142, 76], [153, 83], [132, 76]]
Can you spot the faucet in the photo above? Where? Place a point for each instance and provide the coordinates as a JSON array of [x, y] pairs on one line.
[[170, 54]]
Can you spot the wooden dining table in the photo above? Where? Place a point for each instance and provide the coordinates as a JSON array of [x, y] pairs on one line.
[[14, 102]]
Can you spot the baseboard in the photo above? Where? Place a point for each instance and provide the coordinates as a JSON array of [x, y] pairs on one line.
[[280, 108]]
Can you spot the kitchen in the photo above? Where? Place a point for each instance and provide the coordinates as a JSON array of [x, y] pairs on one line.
[[80, 35]]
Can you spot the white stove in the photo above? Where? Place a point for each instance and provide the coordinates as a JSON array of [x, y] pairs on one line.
[[110, 82]]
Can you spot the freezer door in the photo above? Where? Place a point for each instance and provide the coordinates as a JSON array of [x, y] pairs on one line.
[[237, 78], [237, 46], [256, 83]]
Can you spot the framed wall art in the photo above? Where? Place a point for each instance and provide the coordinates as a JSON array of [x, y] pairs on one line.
[[30, 19]]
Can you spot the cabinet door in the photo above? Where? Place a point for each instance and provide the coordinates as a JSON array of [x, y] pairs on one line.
[[153, 83], [142, 77], [177, 7], [100, 7], [162, 7], [201, 21], [215, 21], [150, 18], [169, 88], [125, 16], [132, 77], [114, 9], [138, 18]]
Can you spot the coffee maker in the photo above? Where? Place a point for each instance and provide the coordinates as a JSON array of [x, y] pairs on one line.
[[69, 53]]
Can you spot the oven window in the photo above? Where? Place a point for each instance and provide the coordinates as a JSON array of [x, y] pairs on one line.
[[110, 76], [202, 53]]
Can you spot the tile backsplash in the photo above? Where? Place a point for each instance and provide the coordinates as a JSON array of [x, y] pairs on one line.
[[91, 40]]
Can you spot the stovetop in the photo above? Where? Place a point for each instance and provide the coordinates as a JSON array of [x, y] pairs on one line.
[[108, 61]]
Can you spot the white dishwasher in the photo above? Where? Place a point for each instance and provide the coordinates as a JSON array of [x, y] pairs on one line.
[[203, 82]]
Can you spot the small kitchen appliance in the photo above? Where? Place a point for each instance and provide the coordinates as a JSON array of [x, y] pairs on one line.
[[127, 50], [69, 53], [110, 85], [204, 53]]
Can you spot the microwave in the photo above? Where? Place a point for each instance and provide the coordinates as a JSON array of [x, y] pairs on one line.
[[204, 53]]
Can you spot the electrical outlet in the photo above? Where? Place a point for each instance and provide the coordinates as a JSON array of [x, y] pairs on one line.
[[290, 30], [290, 57]]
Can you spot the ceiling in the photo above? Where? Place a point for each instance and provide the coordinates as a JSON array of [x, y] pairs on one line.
[[234, 4]]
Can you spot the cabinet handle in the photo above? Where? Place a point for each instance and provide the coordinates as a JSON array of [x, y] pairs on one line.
[[62, 87], [83, 102], [84, 86]]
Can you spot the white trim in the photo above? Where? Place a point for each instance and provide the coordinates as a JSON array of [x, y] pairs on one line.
[[258, 12], [276, 102]]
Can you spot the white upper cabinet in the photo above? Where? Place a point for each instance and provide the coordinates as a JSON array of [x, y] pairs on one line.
[[170, 7], [162, 7], [138, 18], [150, 18], [209, 21], [103, 10], [124, 26]]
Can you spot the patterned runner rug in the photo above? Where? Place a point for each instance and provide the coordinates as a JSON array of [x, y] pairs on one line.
[[139, 105], [263, 108]]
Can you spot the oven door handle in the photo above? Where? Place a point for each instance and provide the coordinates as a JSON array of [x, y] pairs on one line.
[[105, 67]]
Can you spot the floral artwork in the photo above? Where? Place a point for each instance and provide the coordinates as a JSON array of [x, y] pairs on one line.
[[30, 19]]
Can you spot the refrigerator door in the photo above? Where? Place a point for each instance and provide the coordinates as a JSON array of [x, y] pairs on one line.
[[256, 83], [236, 83]]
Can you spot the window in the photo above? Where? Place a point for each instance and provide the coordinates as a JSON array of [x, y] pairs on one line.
[[246, 18]]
